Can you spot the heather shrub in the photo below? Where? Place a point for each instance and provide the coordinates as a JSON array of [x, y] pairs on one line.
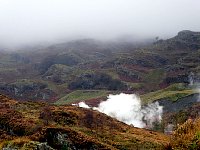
[[187, 135]]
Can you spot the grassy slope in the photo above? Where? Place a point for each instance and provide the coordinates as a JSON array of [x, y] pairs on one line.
[[154, 77], [173, 92], [81, 95]]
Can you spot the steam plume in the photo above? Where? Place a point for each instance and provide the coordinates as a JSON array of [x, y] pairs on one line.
[[195, 84], [199, 94], [83, 105], [128, 109]]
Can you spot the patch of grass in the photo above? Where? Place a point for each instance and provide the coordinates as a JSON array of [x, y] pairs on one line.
[[78, 71], [154, 77], [23, 82], [111, 72], [135, 85], [59, 89], [81, 95], [173, 92]]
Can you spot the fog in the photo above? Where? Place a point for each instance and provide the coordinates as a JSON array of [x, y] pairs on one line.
[[32, 21]]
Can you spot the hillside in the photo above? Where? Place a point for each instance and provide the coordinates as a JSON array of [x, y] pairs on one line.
[[29, 125], [184, 41], [37, 125], [51, 73], [43, 83]]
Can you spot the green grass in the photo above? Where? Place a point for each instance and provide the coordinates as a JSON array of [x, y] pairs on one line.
[[135, 85], [78, 71], [154, 76], [81, 95], [58, 89], [173, 92], [111, 72]]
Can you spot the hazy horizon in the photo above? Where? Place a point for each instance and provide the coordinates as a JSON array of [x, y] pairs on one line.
[[35, 21]]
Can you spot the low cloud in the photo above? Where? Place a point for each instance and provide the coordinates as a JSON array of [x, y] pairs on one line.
[[29, 21]]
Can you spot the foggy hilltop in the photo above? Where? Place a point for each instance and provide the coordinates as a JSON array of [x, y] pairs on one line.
[[27, 22], [99, 74]]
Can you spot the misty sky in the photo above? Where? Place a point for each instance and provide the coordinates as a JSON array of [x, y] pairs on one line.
[[26, 21]]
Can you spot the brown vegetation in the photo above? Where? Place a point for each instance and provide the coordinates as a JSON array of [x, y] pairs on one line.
[[25, 122]]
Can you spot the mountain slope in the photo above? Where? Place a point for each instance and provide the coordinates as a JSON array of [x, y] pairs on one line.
[[30, 124], [64, 68], [185, 40]]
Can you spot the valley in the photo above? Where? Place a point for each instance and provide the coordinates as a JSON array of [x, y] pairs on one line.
[[42, 83], [55, 71]]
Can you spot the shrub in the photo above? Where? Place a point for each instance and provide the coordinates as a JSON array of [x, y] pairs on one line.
[[187, 136]]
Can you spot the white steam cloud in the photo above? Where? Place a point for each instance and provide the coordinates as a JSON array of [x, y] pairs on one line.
[[128, 109], [83, 105], [194, 84], [199, 94]]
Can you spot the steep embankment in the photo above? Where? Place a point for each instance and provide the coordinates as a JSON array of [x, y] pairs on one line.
[[30, 124]]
